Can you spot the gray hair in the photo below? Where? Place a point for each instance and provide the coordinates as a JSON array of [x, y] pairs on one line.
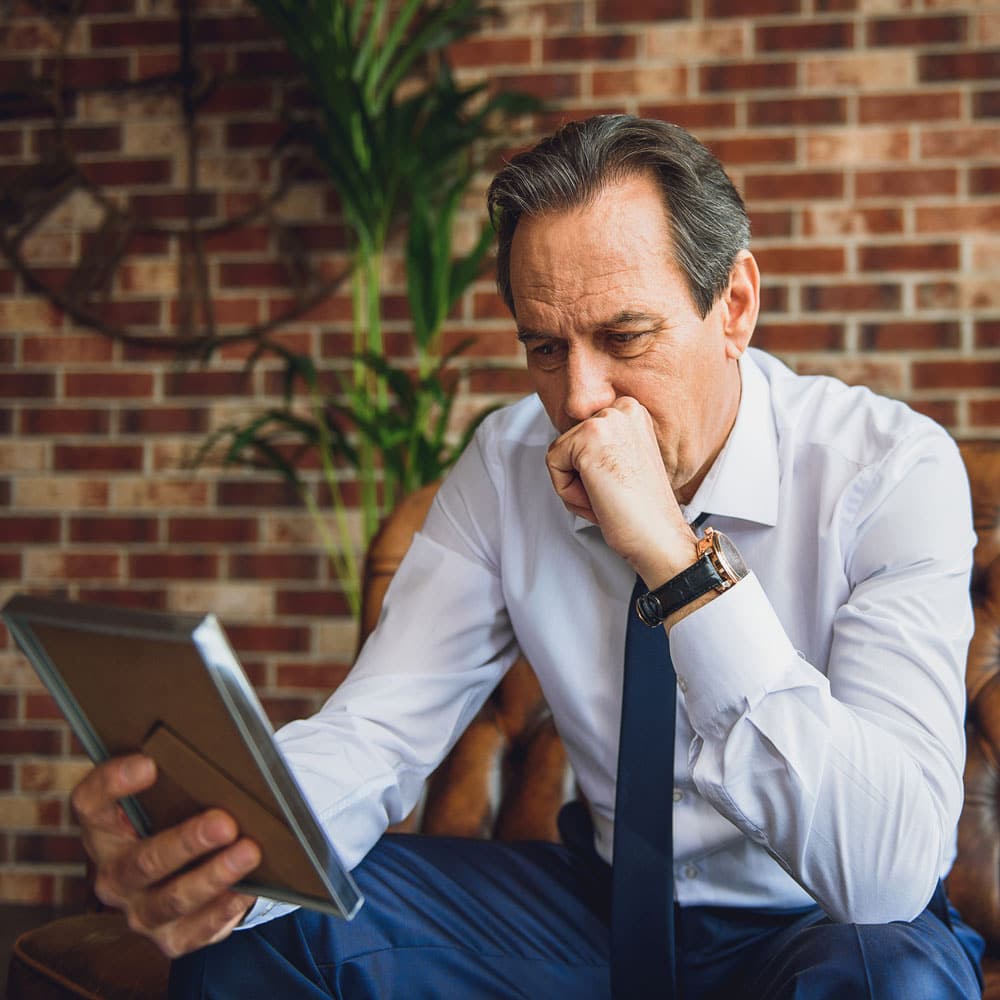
[[708, 221]]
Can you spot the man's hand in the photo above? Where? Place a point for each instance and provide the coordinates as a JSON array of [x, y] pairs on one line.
[[608, 469], [180, 911]]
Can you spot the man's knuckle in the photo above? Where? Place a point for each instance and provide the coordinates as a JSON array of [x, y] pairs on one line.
[[172, 901], [147, 864]]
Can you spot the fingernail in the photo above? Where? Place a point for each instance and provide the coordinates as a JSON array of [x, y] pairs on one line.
[[138, 769], [218, 828], [243, 857]]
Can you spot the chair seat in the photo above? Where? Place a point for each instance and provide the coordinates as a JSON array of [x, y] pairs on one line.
[[92, 955]]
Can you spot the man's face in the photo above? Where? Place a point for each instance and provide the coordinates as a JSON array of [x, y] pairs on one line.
[[604, 312]]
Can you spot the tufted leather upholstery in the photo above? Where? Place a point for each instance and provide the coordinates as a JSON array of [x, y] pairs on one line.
[[508, 776]]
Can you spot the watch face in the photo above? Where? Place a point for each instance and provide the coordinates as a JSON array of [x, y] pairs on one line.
[[732, 562]]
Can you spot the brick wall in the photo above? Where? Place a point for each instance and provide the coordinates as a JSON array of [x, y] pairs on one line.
[[865, 135]]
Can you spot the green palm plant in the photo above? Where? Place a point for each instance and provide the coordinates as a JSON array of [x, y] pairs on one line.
[[398, 156]]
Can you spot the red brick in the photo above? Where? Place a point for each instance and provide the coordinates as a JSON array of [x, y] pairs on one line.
[[898, 184], [173, 566], [6, 777], [909, 335], [805, 36], [917, 106], [974, 142], [31, 740], [322, 677], [322, 604], [207, 383], [253, 274], [87, 72], [269, 638], [969, 65], [256, 493], [246, 239], [905, 257], [30, 529], [164, 420], [765, 224], [773, 298], [122, 313], [852, 298], [981, 218], [174, 207], [748, 8], [829, 220], [986, 104], [108, 385], [81, 138], [479, 52], [798, 111], [801, 260], [127, 172], [506, 381], [153, 599], [273, 566], [27, 385], [988, 333], [281, 710], [979, 374], [984, 180], [694, 115], [124, 530], [10, 707], [747, 76], [574, 48], [799, 336], [51, 848], [259, 63], [545, 86], [917, 31], [801, 185], [244, 135], [773, 149], [133, 33], [944, 411], [64, 420], [213, 530], [238, 96], [92, 458], [11, 566], [64, 349], [984, 412], [937, 295], [616, 12], [231, 28]]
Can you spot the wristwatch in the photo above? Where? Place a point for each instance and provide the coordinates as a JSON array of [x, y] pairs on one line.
[[718, 565]]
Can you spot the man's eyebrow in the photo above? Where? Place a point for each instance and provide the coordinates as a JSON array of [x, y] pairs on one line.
[[525, 333], [628, 317]]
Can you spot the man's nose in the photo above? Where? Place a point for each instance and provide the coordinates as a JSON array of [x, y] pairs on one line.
[[588, 387]]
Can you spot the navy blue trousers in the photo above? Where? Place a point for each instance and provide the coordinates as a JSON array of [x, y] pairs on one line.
[[471, 920]]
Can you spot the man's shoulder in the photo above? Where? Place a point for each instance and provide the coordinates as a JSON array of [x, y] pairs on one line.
[[520, 423], [820, 411]]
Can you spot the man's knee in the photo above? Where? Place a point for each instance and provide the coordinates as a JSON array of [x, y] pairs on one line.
[[921, 960]]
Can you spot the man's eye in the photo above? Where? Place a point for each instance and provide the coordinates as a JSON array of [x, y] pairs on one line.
[[625, 340]]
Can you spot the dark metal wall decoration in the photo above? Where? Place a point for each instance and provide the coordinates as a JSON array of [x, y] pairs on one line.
[[30, 193]]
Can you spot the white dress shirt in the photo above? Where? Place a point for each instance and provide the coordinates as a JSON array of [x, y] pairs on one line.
[[819, 738]]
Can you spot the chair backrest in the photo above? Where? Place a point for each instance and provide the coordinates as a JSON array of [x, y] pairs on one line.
[[974, 883], [508, 775]]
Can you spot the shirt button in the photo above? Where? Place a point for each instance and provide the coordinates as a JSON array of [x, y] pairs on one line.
[[678, 795], [682, 684], [690, 872]]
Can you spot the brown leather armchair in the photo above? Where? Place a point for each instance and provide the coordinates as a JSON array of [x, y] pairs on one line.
[[508, 776]]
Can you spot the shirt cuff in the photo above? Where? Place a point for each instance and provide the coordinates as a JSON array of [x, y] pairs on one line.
[[728, 655], [264, 910]]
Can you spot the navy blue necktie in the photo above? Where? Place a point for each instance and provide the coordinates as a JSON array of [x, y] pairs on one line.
[[642, 879], [642, 876]]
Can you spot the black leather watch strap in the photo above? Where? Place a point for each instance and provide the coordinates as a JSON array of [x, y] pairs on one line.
[[699, 578]]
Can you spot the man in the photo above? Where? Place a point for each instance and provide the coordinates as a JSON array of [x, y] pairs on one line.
[[819, 743]]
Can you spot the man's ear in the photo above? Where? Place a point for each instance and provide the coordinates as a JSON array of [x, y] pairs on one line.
[[740, 304]]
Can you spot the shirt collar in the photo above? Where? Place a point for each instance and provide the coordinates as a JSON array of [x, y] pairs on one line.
[[743, 481]]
